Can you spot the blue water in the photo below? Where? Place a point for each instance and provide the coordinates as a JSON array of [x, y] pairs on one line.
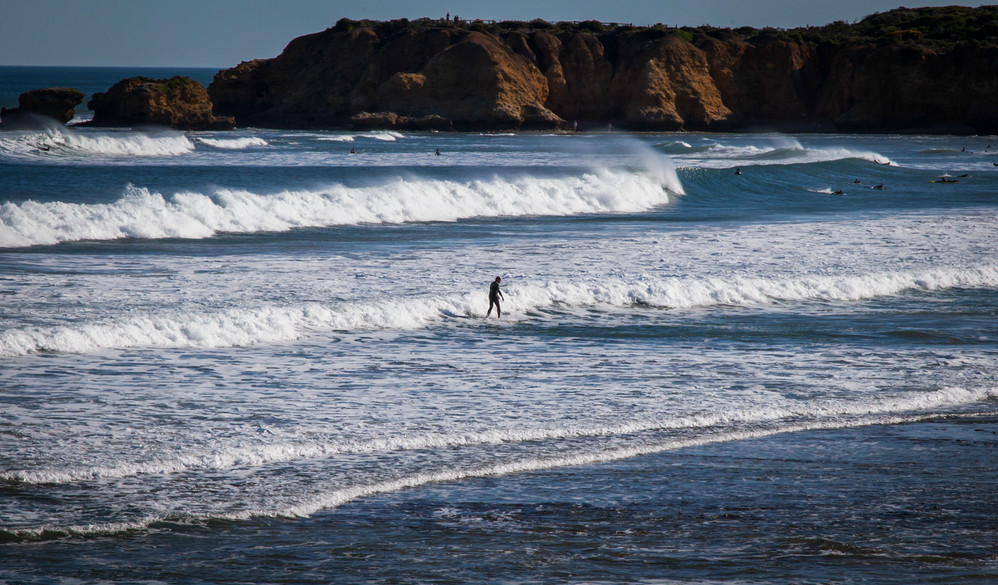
[[257, 357]]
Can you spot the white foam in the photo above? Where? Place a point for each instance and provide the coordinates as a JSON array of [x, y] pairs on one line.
[[308, 505], [740, 423], [776, 151], [233, 328], [114, 143], [340, 497], [684, 293], [383, 135], [247, 326], [233, 143], [386, 135], [141, 213]]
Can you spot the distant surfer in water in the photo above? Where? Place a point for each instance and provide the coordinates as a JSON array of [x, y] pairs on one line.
[[494, 295]]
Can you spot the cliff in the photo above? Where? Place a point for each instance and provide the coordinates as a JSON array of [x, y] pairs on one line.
[[905, 70]]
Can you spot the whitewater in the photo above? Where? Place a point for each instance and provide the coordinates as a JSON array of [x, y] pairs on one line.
[[272, 345]]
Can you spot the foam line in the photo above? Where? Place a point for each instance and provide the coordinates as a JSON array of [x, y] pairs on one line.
[[344, 496], [248, 326], [340, 497], [260, 455]]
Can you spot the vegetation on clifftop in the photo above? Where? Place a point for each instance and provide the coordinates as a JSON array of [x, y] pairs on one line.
[[937, 28]]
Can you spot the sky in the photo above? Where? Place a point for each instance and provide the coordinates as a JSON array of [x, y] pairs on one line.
[[222, 33]]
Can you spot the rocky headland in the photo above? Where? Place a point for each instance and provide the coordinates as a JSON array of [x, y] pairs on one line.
[[932, 69], [906, 70]]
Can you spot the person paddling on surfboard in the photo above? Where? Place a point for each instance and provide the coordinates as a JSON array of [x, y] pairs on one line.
[[494, 295]]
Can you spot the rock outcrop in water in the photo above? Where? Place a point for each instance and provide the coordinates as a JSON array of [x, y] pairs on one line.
[[179, 102], [933, 69], [41, 107]]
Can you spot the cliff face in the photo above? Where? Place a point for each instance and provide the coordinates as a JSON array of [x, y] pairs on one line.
[[467, 78], [895, 88], [438, 75]]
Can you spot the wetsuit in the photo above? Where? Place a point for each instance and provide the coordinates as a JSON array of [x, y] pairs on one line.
[[494, 295]]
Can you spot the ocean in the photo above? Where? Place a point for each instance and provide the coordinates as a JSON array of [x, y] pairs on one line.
[[262, 356]]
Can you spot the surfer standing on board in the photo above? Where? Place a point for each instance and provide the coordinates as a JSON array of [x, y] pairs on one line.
[[494, 295]]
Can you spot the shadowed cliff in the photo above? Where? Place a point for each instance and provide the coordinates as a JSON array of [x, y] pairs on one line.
[[932, 69]]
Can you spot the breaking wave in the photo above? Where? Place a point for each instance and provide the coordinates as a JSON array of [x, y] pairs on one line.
[[233, 143], [248, 326], [782, 151], [144, 214], [387, 136], [114, 144]]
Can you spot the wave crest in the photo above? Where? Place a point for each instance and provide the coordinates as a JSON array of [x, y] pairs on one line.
[[141, 213], [101, 144], [784, 151], [240, 327], [233, 143]]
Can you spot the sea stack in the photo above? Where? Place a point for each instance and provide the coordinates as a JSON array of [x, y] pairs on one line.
[[39, 108], [179, 102]]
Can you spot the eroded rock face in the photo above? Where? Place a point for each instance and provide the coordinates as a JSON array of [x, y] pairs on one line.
[[895, 88], [465, 78], [446, 77], [39, 107], [179, 103]]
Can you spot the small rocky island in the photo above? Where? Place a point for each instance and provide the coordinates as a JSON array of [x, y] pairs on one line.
[[906, 70], [179, 102], [40, 107]]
